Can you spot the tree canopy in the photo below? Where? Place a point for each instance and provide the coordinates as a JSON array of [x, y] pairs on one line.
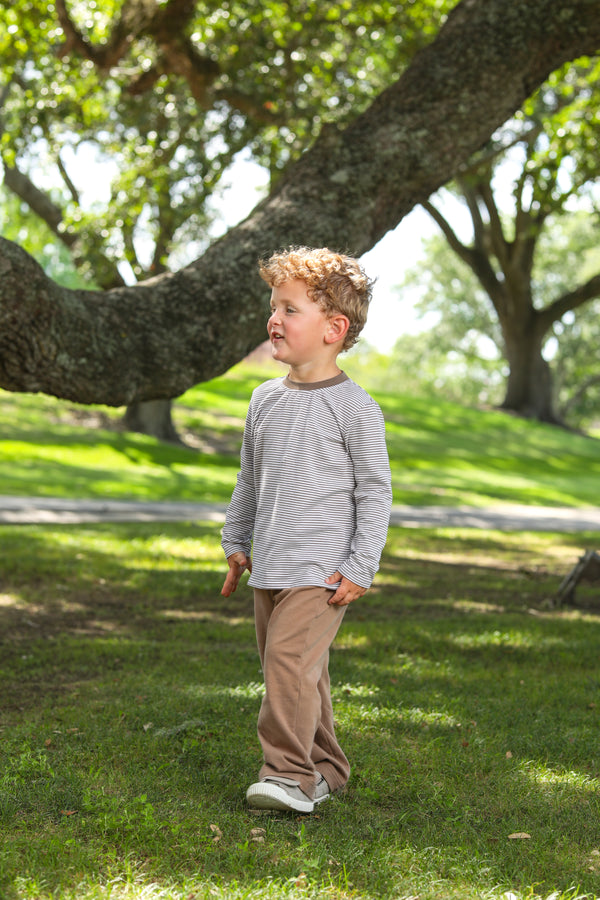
[[370, 159], [166, 95]]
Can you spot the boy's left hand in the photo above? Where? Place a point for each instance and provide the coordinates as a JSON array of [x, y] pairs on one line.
[[346, 592]]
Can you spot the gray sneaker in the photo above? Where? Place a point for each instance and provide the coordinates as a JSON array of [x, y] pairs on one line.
[[277, 792], [322, 791]]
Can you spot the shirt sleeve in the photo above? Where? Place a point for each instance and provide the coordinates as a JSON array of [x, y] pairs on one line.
[[241, 512], [372, 494]]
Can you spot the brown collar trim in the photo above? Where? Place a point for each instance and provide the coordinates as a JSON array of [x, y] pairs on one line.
[[314, 385]]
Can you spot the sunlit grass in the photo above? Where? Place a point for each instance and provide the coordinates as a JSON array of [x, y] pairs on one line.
[[441, 453]]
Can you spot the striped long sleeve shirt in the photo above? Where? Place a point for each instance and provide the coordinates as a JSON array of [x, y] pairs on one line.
[[313, 494]]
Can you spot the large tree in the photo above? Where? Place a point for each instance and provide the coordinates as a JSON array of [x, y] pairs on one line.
[[158, 99], [461, 355], [553, 155], [356, 182]]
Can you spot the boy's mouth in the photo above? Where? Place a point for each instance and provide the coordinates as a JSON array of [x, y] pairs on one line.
[[276, 336]]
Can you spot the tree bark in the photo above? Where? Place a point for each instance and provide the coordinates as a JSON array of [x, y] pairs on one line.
[[152, 417], [529, 390], [155, 340]]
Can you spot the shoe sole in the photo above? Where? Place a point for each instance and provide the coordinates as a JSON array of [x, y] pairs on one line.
[[271, 796]]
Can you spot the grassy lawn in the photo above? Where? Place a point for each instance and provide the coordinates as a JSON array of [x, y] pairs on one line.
[[468, 705], [441, 453]]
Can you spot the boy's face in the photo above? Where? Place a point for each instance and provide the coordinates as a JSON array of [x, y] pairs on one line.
[[301, 334]]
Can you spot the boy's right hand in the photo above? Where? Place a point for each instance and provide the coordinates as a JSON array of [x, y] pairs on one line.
[[237, 563]]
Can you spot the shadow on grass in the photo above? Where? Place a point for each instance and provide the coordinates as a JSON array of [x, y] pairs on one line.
[[131, 690]]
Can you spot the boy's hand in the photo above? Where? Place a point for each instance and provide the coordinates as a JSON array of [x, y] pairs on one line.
[[237, 563], [346, 592]]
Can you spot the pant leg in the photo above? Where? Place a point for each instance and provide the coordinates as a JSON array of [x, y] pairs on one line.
[[327, 755], [295, 628]]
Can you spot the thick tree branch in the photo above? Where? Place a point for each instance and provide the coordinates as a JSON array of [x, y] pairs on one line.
[[459, 248], [136, 16], [570, 301], [523, 219], [499, 244], [181, 59], [472, 201], [176, 53], [39, 203], [475, 257], [156, 339], [145, 81]]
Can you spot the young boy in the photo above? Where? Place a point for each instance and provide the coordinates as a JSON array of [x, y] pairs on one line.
[[313, 495]]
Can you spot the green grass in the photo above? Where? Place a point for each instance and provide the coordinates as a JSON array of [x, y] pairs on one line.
[[467, 703], [441, 453], [451, 455], [46, 450], [468, 708]]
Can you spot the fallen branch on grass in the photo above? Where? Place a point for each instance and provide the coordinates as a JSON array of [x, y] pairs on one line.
[[586, 569]]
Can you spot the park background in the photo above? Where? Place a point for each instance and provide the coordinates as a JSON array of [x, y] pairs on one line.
[[466, 693]]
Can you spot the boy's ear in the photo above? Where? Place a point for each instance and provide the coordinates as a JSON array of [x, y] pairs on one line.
[[338, 328]]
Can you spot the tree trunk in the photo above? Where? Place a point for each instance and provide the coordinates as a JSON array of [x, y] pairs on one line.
[[152, 417], [529, 390], [156, 339]]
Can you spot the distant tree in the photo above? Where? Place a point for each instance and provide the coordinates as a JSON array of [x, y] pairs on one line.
[[238, 75], [459, 351], [552, 148]]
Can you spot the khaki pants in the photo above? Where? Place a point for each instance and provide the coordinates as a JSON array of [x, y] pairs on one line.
[[294, 629]]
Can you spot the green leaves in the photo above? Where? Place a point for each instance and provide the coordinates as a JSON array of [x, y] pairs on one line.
[[167, 94]]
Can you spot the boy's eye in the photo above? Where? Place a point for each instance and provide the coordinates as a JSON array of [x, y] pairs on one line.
[[288, 309]]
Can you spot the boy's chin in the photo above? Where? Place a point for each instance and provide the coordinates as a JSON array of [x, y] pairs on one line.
[[277, 352]]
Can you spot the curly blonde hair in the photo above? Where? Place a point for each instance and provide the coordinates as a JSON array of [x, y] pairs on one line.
[[337, 283]]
